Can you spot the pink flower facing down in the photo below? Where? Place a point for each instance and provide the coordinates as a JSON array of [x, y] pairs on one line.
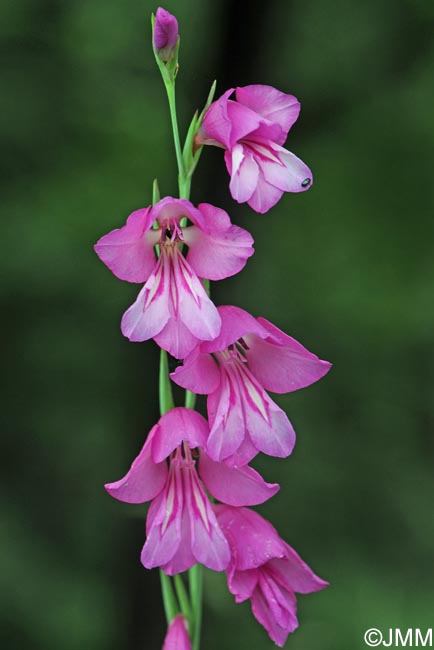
[[265, 569], [177, 636], [165, 33], [181, 525], [253, 130], [249, 357], [173, 307]]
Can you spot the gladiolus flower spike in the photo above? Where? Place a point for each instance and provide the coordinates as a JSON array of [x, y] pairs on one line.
[[194, 471]]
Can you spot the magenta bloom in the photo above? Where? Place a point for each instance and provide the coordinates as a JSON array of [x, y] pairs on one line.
[[173, 307], [249, 357], [177, 636], [181, 525], [253, 130], [265, 569], [165, 33]]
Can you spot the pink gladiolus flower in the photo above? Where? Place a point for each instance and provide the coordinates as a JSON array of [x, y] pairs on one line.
[[249, 356], [265, 569], [165, 33], [173, 307], [177, 636], [181, 526], [253, 130]]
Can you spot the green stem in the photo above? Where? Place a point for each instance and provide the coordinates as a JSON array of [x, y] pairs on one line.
[[190, 399], [195, 582], [191, 607], [170, 89], [170, 604], [171, 608], [165, 386], [182, 596], [184, 190]]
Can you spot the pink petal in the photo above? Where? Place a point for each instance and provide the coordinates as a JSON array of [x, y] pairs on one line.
[[178, 425], [196, 310], [292, 175], [177, 636], [208, 544], [267, 132], [236, 323], [144, 480], [253, 540], [128, 251], [243, 583], [210, 548], [281, 601], [220, 251], [176, 339], [169, 209], [212, 220], [275, 437], [150, 312], [293, 573], [264, 615], [243, 455], [226, 420], [278, 107], [216, 126], [235, 486], [244, 173], [164, 524], [183, 559], [172, 307], [243, 120], [265, 195], [199, 373], [240, 409], [283, 367]]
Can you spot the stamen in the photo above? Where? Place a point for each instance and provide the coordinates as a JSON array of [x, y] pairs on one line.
[[242, 342]]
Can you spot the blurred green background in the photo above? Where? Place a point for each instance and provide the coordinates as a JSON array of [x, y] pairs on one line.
[[347, 268]]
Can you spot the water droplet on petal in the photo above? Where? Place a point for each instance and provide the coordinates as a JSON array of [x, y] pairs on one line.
[[306, 182]]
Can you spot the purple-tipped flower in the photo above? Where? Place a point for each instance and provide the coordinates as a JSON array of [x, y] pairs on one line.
[[265, 569], [165, 34], [177, 636]]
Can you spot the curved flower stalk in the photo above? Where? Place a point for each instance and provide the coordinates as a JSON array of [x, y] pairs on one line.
[[249, 357], [177, 636], [181, 526], [173, 307], [266, 570], [252, 130]]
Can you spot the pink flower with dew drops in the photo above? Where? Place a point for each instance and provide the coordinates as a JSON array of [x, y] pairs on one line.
[[266, 570], [173, 307], [181, 526], [253, 130], [177, 637], [249, 357]]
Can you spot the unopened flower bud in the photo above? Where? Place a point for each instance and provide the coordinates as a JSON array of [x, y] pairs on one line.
[[177, 636], [165, 34]]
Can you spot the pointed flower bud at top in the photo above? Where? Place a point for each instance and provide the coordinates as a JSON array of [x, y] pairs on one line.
[[165, 34]]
